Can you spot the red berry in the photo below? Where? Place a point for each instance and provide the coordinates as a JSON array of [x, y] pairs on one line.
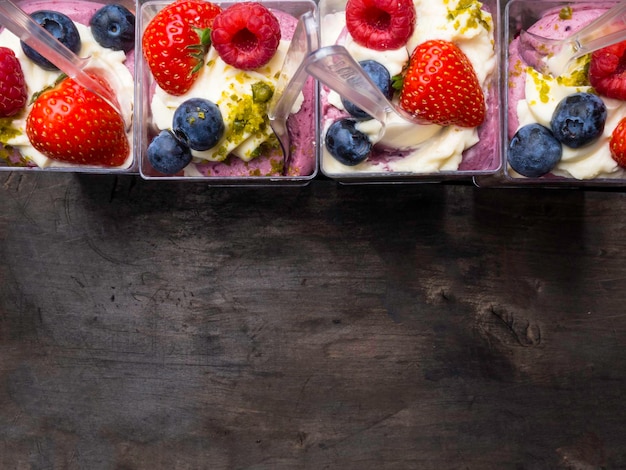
[[246, 35], [12, 85], [617, 144], [71, 124], [380, 24], [441, 87], [175, 42], [607, 71]]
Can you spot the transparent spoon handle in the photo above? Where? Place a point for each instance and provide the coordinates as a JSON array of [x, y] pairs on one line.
[[293, 73], [607, 29], [30, 32], [335, 67]]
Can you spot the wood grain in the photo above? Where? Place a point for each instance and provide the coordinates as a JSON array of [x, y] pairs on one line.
[[176, 326]]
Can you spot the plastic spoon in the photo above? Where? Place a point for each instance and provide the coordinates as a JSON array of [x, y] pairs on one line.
[[30, 32], [335, 67], [554, 56], [291, 80]]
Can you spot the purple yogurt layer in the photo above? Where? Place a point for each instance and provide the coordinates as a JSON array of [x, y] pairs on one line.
[[551, 25], [302, 132]]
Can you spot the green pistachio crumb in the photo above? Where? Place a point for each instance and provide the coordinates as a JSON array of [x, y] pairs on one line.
[[566, 13], [261, 92]]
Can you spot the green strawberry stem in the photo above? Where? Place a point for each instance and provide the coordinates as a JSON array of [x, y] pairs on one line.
[[198, 51]]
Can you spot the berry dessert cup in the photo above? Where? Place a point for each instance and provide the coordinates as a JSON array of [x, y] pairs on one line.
[[48, 121], [436, 60], [203, 94], [565, 130]]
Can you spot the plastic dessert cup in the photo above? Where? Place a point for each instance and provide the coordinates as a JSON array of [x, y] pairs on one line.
[[409, 152], [531, 98], [16, 150], [155, 109]]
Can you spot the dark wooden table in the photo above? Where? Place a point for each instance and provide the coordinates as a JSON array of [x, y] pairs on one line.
[[175, 326]]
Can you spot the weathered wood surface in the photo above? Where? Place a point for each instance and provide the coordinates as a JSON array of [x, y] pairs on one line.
[[175, 326]]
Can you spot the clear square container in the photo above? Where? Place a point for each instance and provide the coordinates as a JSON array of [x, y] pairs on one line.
[[16, 151], [531, 97], [408, 152], [266, 169]]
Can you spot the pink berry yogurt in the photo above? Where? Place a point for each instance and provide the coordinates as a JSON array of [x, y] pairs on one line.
[[15, 149], [268, 165], [406, 149]]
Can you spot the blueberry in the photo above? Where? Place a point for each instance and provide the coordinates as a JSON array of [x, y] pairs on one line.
[[113, 26], [534, 151], [167, 154], [346, 143], [61, 27], [198, 123], [381, 78], [578, 119]]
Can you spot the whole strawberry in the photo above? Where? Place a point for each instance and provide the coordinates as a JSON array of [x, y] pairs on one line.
[[440, 86], [617, 144], [13, 93], [246, 35], [607, 71], [71, 124], [176, 41]]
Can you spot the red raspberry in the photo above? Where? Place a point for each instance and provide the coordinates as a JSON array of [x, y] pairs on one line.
[[246, 35], [12, 85], [607, 71], [380, 24]]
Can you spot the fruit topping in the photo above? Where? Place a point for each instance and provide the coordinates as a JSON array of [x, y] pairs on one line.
[[198, 123], [380, 24], [346, 143], [71, 124], [578, 119], [381, 78], [246, 35], [534, 151], [617, 144], [61, 27], [176, 41], [607, 71], [441, 87], [113, 27], [13, 93], [167, 154]]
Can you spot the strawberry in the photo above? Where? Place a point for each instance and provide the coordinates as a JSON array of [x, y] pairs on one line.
[[175, 42], [441, 87], [246, 35], [607, 71], [71, 124], [12, 85], [617, 144], [380, 24]]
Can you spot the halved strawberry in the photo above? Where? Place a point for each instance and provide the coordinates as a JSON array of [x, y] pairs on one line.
[[617, 144], [440, 86], [71, 124], [607, 71], [175, 42]]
